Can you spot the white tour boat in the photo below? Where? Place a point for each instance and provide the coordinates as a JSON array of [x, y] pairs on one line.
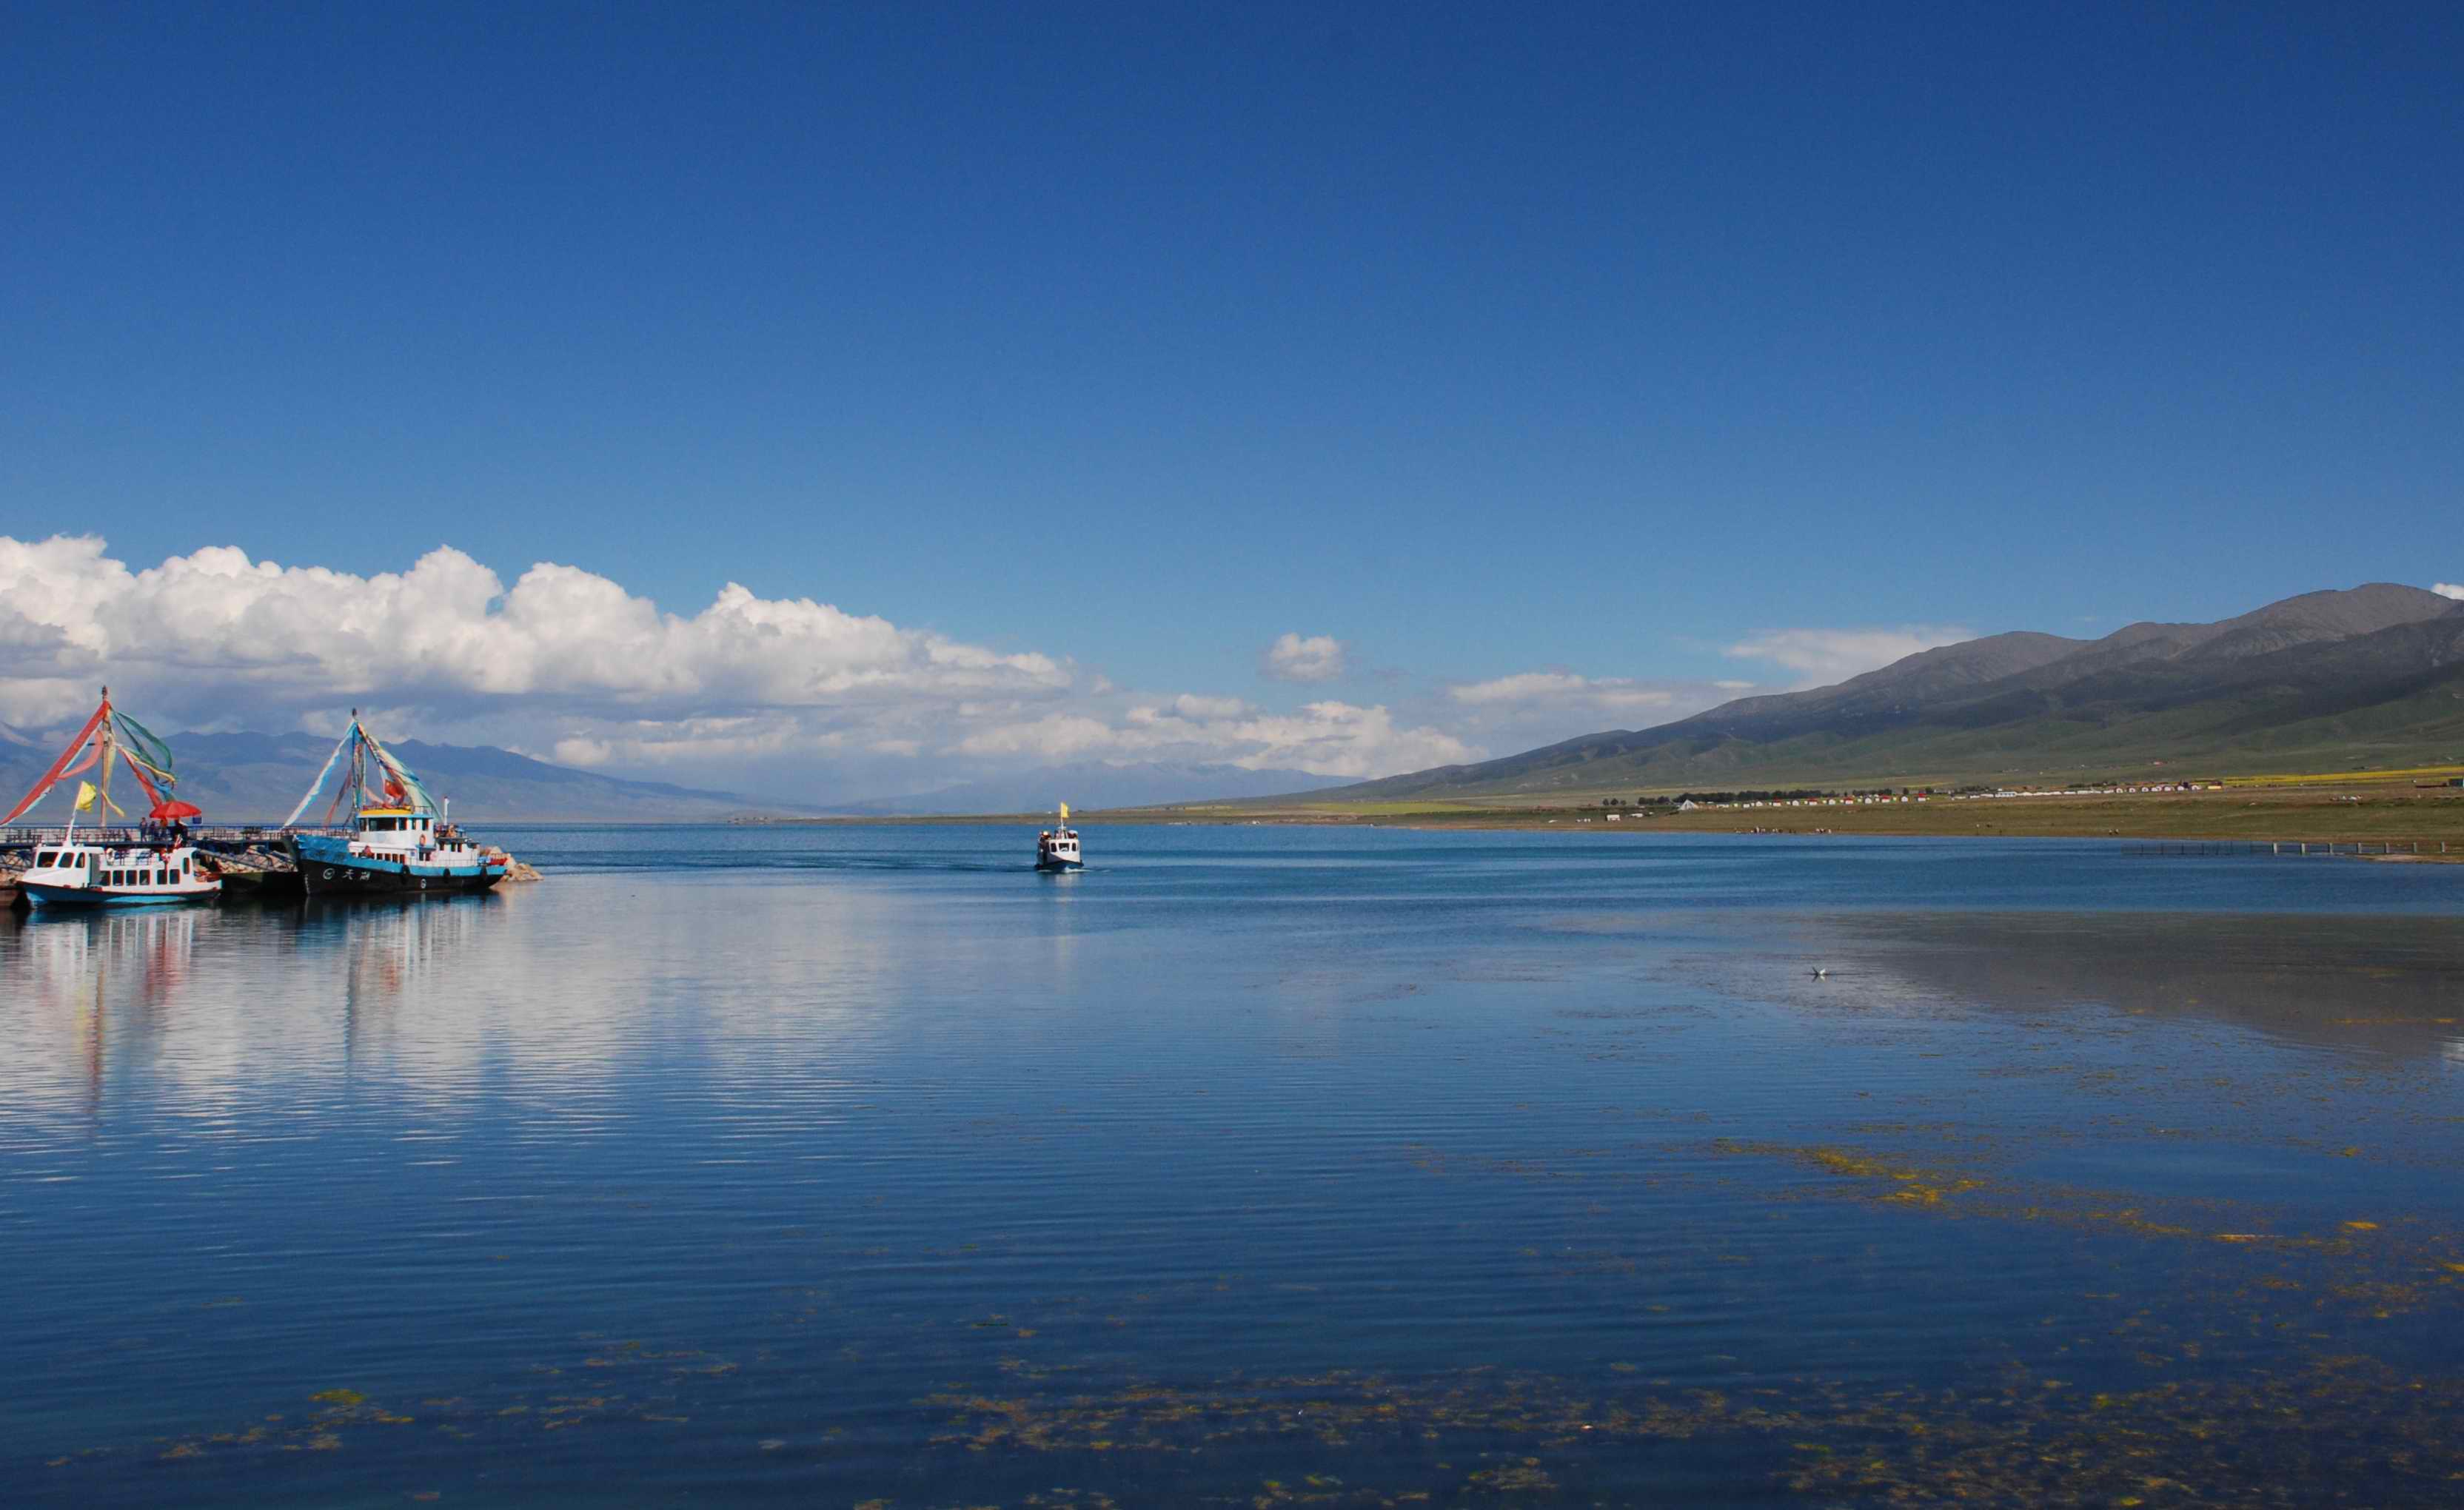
[[156, 870], [72, 874], [1057, 848]]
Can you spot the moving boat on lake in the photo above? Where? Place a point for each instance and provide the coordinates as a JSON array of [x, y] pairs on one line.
[[153, 867], [1057, 848], [401, 841]]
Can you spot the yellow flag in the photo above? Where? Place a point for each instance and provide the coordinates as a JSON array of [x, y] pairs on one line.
[[1064, 812], [86, 794]]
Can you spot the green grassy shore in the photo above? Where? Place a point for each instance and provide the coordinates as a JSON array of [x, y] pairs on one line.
[[2343, 814]]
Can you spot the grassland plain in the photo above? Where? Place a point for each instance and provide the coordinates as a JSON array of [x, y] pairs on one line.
[[2390, 812]]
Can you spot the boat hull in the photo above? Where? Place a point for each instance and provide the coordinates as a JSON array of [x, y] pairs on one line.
[[1054, 862], [327, 869], [38, 894]]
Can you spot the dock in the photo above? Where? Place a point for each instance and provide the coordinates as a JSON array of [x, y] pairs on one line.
[[249, 855]]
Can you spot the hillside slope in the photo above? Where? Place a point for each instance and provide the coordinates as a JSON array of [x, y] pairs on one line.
[[2372, 674]]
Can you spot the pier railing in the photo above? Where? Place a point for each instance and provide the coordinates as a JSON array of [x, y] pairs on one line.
[[131, 836]]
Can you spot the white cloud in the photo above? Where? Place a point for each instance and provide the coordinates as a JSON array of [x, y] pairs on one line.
[[1319, 657], [787, 695], [1734, 686], [1329, 739], [1561, 690], [2454, 590], [1532, 709], [1189, 704], [446, 633], [581, 751], [1821, 657]]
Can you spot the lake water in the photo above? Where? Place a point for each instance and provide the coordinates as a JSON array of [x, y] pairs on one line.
[[1250, 1166]]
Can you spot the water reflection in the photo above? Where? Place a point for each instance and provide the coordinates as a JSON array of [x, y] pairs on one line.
[[2391, 985], [905, 1175], [547, 988], [86, 990]]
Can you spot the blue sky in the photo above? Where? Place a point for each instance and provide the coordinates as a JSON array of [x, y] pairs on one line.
[[1596, 344]]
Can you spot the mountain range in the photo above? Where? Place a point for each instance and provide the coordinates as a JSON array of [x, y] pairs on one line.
[[256, 777], [1092, 784], [2370, 675]]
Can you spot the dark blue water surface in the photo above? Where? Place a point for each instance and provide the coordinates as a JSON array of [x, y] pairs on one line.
[[1250, 1166]]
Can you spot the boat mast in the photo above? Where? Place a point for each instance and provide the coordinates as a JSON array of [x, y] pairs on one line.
[[104, 743], [355, 780]]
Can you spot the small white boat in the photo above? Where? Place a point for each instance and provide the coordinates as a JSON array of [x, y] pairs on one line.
[[1057, 848], [91, 875], [153, 872]]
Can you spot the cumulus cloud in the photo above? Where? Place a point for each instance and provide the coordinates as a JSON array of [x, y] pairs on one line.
[[1319, 657], [570, 664], [2454, 590], [1329, 738], [1189, 704], [448, 631], [1531, 709], [1614, 694], [1821, 657]]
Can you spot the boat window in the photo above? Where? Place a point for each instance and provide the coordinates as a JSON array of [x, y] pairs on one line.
[[42, 857]]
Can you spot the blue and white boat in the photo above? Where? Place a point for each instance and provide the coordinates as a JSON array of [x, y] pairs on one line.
[[400, 843], [394, 851]]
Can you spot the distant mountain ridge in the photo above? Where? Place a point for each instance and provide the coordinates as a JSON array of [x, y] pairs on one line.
[[255, 778], [2374, 672], [1089, 785]]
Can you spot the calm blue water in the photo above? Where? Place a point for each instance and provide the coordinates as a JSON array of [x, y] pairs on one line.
[[1250, 1166]]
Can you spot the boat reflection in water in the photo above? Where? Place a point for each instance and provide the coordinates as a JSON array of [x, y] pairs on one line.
[[91, 986], [225, 1004], [400, 844]]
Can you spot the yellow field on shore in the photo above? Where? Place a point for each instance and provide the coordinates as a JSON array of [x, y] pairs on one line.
[[2427, 772]]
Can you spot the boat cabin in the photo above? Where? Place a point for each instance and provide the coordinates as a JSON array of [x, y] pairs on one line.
[[409, 834]]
